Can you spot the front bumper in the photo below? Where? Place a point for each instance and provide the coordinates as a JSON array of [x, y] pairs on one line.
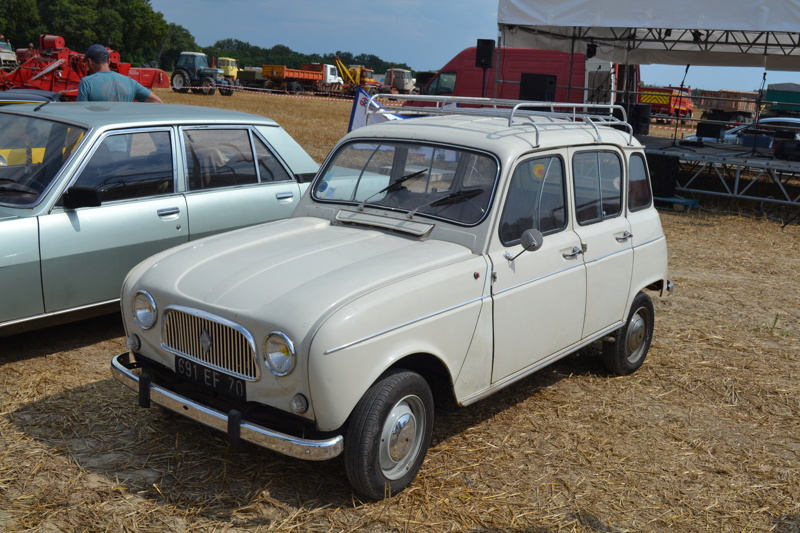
[[230, 423]]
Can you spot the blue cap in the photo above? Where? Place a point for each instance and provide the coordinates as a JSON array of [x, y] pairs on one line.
[[97, 51]]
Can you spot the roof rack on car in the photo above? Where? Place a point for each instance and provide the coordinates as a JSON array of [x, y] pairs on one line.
[[518, 112]]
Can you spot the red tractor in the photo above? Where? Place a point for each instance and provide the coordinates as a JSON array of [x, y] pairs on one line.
[[54, 67]]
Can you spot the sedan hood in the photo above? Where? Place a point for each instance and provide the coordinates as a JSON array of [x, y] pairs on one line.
[[289, 272]]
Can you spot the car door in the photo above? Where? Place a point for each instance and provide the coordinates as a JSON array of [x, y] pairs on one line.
[[87, 251], [605, 235], [234, 179], [538, 296]]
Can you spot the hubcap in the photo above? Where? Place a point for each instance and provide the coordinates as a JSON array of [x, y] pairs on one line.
[[635, 339], [401, 437]]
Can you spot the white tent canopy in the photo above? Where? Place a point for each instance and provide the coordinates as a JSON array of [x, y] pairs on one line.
[[763, 33]]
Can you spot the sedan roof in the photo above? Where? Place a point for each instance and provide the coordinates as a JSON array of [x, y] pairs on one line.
[[99, 114]]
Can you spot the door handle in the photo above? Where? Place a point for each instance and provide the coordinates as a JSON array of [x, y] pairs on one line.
[[284, 195], [576, 251], [624, 237], [168, 211]]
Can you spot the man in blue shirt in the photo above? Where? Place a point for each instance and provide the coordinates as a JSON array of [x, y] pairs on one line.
[[105, 85]]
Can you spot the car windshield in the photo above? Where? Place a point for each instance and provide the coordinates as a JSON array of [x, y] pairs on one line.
[[32, 152], [449, 183]]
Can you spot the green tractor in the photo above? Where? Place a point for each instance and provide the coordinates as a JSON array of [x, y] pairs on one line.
[[193, 72]]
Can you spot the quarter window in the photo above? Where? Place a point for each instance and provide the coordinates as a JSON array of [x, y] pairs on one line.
[[639, 194], [535, 199]]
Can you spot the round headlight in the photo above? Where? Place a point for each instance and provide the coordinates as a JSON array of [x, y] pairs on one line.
[[279, 353], [144, 310]]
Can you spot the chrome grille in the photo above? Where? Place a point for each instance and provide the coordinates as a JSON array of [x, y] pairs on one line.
[[211, 340]]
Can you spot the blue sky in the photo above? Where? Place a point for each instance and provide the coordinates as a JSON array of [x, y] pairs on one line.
[[424, 34]]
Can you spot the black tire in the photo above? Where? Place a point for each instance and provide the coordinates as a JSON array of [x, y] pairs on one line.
[[226, 88], [180, 82], [388, 434], [295, 87], [208, 86], [627, 352]]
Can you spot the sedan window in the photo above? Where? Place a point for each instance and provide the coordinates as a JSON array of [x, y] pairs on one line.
[[32, 153], [218, 158], [130, 165]]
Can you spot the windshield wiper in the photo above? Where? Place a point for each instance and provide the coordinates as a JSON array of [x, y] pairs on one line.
[[394, 186], [452, 198], [22, 189]]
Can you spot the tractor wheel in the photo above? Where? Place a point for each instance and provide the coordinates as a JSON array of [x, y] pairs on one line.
[[295, 87], [180, 82], [226, 88], [208, 86]]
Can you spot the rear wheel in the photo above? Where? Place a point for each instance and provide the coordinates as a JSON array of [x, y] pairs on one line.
[[207, 86], [180, 82], [388, 434], [295, 87], [627, 352]]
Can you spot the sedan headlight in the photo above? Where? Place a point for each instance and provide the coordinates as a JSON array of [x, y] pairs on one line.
[[144, 310], [279, 353]]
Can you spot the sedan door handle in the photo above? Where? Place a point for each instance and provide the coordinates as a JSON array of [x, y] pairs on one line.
[[168, 211], [576, 251], [284, 195], [624, 237]]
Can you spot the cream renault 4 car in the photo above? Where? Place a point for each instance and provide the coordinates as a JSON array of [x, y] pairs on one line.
[[433, 261]]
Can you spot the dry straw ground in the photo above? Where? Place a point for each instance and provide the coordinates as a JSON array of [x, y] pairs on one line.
[[705, 437]]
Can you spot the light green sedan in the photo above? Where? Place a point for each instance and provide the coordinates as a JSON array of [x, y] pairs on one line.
[[88, 190]]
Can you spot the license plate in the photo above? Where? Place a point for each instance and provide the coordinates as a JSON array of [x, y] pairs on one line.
[[213, 379]]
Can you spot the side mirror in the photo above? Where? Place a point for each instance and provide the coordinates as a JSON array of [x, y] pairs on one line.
[[531, 240], [81, 197]]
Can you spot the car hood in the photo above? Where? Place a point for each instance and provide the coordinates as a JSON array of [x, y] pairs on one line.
[[292, 271]]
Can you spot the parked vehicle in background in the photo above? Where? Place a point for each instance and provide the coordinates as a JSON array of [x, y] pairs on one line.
[[668, 101], [530, 74], [192, 71], [786, 127], [54, 67], [434, 261], [312, 77], [230, 68], [8, 57], [398, 81], [27, 96], [87, 191], [726, 105]]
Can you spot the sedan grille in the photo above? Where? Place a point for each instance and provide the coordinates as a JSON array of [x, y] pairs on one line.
[[211, 340]]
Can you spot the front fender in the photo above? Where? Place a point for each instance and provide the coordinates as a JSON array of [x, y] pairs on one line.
[[434, 313]]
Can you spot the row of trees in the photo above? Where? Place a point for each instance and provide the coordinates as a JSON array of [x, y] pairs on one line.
[[141, 35]]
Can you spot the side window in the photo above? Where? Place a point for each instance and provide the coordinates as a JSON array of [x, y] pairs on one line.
[[130, 165], [269, 168], [639, 193], [443, 83], [535, 199], [218, 158], [597, 180]]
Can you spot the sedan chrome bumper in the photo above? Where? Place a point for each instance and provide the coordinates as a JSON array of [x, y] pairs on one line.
[[230, 423]]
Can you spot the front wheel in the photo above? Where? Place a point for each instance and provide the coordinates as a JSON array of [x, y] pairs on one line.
[[226, 88], [388, 434], [208, 86], [626, 353]]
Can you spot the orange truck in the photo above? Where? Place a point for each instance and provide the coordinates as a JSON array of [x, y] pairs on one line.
[[668, 101], [316, 77]]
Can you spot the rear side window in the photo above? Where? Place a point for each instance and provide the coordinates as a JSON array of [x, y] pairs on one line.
[[535, 199], [597, 181], [639, 194]]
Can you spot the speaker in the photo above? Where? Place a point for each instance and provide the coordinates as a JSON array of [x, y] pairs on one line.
[[638, 117], [484, 54], [787, 150], [663, 174], [709, 129], [537, 87]]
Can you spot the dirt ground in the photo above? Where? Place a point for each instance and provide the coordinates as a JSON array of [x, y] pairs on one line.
[[704, 437]]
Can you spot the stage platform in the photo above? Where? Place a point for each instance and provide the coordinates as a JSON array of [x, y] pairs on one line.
[[725, 170]]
